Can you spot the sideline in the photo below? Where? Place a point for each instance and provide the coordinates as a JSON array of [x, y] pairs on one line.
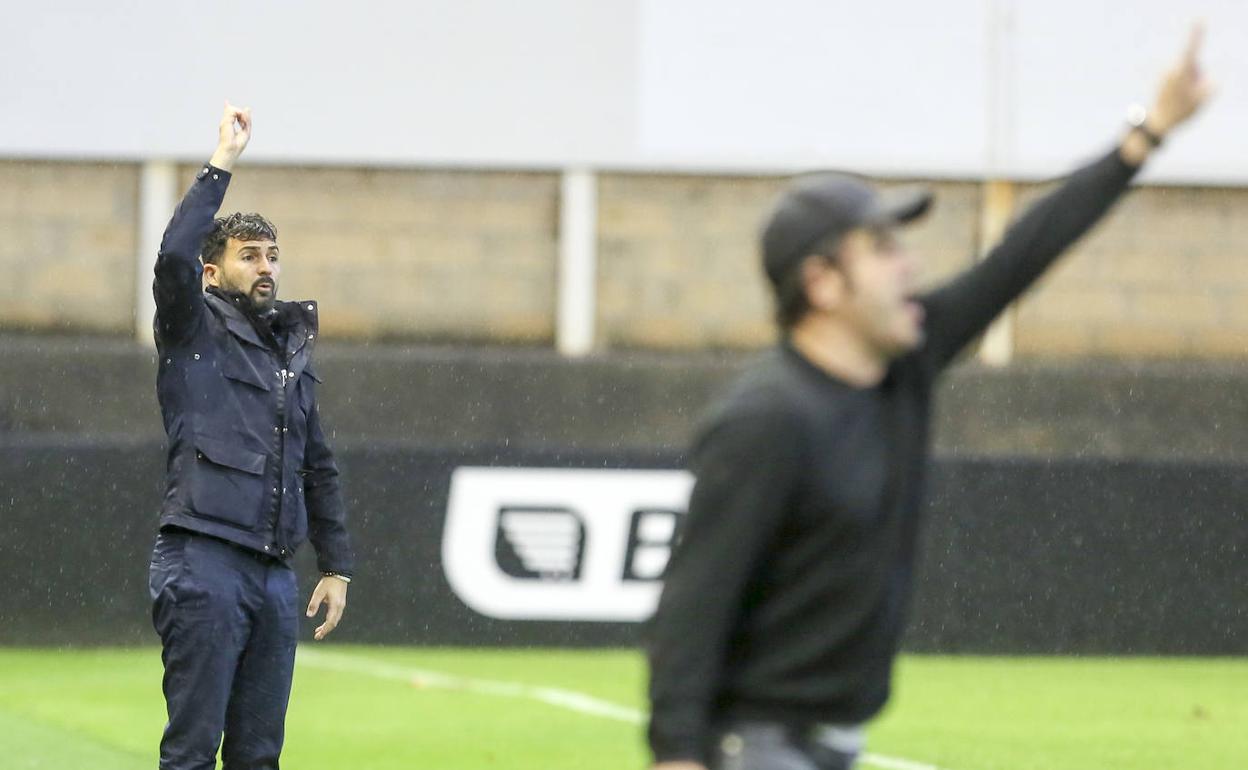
[[553, 696]]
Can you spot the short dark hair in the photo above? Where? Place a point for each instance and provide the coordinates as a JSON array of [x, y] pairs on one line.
[[244, 227], [792, 304]]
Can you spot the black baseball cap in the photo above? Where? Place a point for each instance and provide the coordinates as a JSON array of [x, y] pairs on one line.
[[817, 206]]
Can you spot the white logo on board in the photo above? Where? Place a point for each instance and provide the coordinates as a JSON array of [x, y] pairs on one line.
[[562, 544]]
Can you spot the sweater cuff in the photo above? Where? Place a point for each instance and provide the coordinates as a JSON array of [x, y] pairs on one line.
[[673, 742], [1120, 165]]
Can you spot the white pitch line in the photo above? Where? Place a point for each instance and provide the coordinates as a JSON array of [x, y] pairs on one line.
[[894, 763], [567, 699]]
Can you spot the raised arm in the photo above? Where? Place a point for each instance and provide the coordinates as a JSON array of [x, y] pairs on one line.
[[962, 309], [178, 286]]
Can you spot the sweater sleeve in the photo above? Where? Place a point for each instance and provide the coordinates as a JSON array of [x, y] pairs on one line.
[[962, 309], [746, 468]]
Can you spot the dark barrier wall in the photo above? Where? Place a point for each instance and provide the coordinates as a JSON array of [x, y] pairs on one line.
[[1020, 556], [1185, 411]]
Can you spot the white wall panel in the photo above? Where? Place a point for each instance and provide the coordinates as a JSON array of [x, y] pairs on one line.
[[891, 85], [954, 88], [444, 81], [1078, 63]]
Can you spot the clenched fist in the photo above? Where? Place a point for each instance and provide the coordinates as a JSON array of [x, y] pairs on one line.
[[232, 136]]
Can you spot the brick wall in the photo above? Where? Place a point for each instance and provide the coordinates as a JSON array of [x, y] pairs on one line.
[[67, 246], [455, 255], [1165, 276], [448, 255], [679, 265]]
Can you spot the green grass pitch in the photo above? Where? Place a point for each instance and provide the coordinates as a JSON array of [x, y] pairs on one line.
[[396, 708]]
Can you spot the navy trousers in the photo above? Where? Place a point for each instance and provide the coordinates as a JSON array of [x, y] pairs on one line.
[[228, 620]]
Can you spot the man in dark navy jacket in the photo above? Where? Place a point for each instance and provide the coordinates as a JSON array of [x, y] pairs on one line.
[[249, 478]]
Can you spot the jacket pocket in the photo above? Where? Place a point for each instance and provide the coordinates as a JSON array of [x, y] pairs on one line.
[[228, 482], [236, 367]]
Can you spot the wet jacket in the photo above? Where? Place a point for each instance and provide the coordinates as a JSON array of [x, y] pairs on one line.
[[247, 458]]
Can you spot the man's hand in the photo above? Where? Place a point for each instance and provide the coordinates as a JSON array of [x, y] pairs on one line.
[[232, 136], [333, 592], [1184, 88]]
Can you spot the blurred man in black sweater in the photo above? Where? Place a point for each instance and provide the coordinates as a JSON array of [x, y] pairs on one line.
[[784, 604]]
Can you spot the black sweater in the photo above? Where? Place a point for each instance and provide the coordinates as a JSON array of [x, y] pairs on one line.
[[787, 596]]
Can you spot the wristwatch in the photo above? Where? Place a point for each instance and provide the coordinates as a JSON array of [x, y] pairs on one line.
[[1137, 118]]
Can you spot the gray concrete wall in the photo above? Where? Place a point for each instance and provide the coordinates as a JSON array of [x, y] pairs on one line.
[[376, 394]]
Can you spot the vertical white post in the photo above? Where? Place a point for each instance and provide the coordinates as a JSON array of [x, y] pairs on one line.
[[997, 346], [999, 198], [158, 185], [578, 247]]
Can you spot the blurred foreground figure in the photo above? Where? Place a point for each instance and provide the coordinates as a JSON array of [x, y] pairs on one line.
[[249, 478], [785, 602]]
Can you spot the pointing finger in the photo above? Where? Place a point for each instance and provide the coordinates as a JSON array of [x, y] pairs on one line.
[[1195, 39]]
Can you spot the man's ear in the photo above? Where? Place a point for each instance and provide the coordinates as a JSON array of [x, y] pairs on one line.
[[824, 283], [212, 275]]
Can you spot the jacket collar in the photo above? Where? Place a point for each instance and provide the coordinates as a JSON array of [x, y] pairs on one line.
[[235, 321], [300, 319]]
